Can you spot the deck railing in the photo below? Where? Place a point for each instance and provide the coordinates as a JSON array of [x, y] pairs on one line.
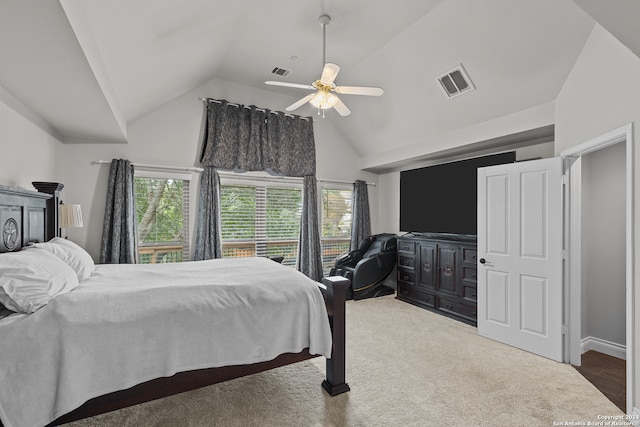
[[331, 249], [160, 253]]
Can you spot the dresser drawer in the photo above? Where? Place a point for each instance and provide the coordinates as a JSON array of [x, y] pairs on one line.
[[470, 274], [406, 261], [406, 276], [411, 294], [406, 246], [453, 307], [469, 255], [470, 293]]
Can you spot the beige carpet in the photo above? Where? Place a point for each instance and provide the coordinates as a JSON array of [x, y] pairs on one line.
[[406, 367]]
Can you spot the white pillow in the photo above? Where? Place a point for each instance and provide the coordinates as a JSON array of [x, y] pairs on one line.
[[72, 254], [29, 279]]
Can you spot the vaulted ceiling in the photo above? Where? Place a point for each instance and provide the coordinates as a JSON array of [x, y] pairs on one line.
[[86, 69]]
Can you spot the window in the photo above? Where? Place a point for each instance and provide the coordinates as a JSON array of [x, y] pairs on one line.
[[162, 215], [260, 220], [336, 225]]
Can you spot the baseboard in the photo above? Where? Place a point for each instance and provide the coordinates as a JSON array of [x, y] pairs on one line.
[[603, 346], [635, 417]]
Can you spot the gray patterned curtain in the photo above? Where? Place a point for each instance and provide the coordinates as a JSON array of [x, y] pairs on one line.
[[234, 137], [290, 148], [208, 235], [119, 242], [360, 220], [309, 251], [250, 139]]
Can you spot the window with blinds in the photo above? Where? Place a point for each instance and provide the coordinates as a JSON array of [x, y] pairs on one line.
[[260, 220], [336, 225], [162, 214]]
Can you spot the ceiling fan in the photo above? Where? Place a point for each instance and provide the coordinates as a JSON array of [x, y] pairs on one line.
[[324, 97]]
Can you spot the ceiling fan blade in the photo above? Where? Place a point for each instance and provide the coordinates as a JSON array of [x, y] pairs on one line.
[[287, 84], [300, 102], [341, 108], [329, 73], [359, 90]]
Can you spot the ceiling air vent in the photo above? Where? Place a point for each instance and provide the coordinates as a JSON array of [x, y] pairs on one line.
[[280, 72], [456, 82]]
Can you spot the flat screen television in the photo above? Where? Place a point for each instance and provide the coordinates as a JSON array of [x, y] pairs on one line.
[[443, 198]]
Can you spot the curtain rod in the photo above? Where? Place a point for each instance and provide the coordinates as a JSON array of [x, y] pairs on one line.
[[333, 181], [236, 175], [155, 167], [223, 173], [217, 101]]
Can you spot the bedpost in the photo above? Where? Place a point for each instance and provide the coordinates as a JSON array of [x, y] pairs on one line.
[[335, 382], [51, 221]]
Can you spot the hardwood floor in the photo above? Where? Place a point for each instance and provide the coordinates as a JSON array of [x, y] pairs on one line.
[[607, 373]]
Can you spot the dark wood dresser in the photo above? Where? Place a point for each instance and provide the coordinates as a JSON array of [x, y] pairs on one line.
[[438, 272]]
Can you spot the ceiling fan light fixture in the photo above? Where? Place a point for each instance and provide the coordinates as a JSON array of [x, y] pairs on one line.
[[323, 100]]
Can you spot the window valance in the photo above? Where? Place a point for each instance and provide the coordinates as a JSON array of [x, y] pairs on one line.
[[254, 139]]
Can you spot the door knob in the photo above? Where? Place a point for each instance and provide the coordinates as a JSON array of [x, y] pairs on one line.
[[482, 260]]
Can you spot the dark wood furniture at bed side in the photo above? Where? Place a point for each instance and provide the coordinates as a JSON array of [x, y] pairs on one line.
[[438, 272], [22, 218], [53, 188], [31, 214]]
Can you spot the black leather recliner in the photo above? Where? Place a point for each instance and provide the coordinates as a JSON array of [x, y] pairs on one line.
[[368, 266]]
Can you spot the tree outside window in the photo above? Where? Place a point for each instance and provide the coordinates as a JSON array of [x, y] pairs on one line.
[[162, 214], [336, 225]]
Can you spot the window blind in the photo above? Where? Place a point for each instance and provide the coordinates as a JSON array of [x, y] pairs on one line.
[[260, 220]]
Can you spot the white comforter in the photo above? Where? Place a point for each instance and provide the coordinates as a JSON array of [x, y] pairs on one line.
[[127, 324]]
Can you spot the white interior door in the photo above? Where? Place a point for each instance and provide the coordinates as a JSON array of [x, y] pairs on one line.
[[520, 255]]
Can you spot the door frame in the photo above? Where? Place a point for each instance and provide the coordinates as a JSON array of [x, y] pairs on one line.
[[572, 165]]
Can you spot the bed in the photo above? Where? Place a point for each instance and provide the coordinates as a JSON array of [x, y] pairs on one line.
[[115, 336]]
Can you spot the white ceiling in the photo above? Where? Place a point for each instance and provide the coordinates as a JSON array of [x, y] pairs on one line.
[[88, 68]]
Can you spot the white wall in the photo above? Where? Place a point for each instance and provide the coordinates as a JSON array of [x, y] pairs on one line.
[[603, 245], [28, 153], [602, 93], [171, 135]]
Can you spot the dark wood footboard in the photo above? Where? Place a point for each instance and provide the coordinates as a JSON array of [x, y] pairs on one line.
[[178, 383], [333, 290], [335, 295]]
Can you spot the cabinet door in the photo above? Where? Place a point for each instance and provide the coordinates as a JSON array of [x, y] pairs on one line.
[[427, 266], [448, 257]]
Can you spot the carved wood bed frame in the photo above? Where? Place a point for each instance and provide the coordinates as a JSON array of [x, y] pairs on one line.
[[29, 216]]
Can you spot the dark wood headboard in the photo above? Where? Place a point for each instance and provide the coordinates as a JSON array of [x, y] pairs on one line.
[[26, 216]]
